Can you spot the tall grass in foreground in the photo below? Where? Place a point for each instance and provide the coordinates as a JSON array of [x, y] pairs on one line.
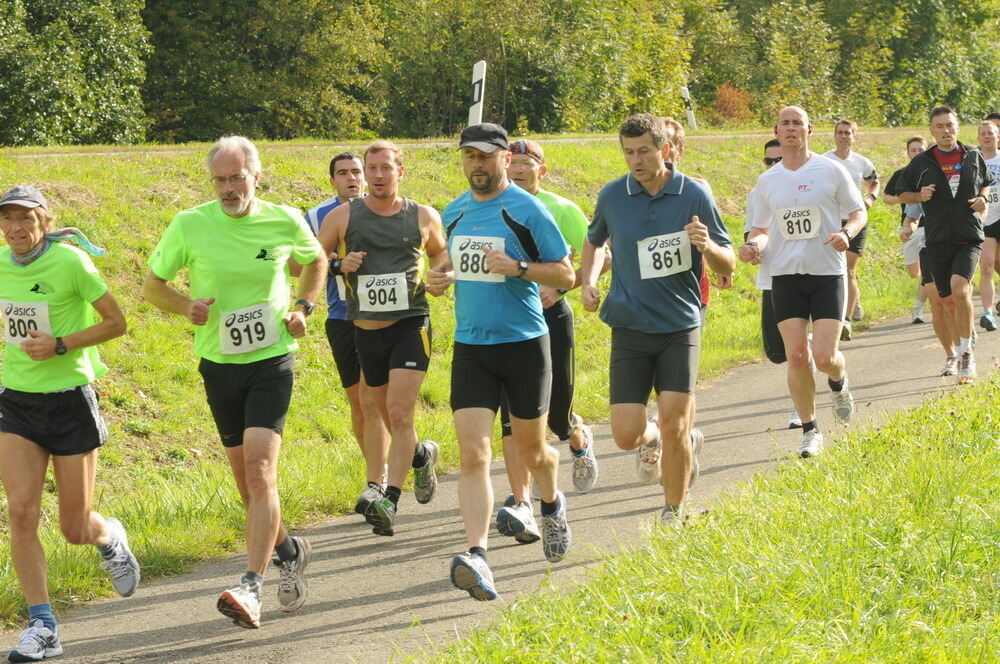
[[885, 549]]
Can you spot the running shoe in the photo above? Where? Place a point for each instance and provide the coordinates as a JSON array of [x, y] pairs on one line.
[[585, 466], [471, 573], [516, 520], [966, 367], [556, 537], [697, 441], [670, 517], [858, 313], [917, 315], [241, 605], [425, 480], [292, 587], [996, 305], [382, 515], [950, 366], [812, 444], [122, 566], [647, 460], [37, 642], [845, 332], [987, 321], [367, 497], [794, 421], [843, 404]]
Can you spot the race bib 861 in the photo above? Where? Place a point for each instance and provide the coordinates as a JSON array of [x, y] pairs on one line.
[[468, 257], [663, 255]]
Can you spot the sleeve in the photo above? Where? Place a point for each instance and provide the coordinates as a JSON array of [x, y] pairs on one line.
[[848, 196], [710, 217], [892, 184], [88, 282], [988, 179], [907, 180], [171, 254], [870, 173], [913, 210], [305, 247], [748, 218], [549, 240], [313, 220], [762, 212], [597, 232], [574, 225]]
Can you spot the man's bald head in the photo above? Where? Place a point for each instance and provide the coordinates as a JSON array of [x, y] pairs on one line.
[[794, 111]]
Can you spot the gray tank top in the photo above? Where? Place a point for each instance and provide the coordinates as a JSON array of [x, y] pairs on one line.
[[389, 285]]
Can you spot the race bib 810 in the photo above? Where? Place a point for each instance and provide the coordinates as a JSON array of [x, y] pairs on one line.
[[468, 257], [19, 317], [248, 329], [798, 223], [663, 255]]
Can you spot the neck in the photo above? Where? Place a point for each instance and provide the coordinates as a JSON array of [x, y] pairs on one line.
[[248, 211], [659, 181], [31, 254], [988, 153], [948, 148], [504, 183], [843, 153], [383, 205], [793, 157]]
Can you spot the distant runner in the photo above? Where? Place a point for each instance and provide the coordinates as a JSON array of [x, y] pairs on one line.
[[989, 134], [912, 242]]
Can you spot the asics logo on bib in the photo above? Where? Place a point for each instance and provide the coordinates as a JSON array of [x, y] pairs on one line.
[[794, 214], [664, 243], [244, 317], [475, 245], [375, 282], [43, 287], [11, 310], [268, 254]]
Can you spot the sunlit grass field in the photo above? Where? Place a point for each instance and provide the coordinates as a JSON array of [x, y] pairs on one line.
[[163, 471]]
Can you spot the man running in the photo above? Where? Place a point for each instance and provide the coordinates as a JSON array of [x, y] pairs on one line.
[[988, 136], [912, 242], [48, 408], [348, 179], [382, 238], [953, 183], [503, 244], [862, 171], [665, 228], [237, 249], [801, 203]]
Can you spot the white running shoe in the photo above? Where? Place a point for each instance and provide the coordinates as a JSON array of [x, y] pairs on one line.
[[843, 404], [670, 517], [647, 461], [556, 536], [917, 315], [966, 368], [425, 478], [585, 466], [697, 441], [471, 573], [950, 366], [292, 589], [241, 605], [517, 521], [37, 642], [122, 566], [812, 444], [794, 421], [858, 313], [845, 332]]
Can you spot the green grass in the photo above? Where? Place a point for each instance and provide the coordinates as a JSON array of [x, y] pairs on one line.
[[163, 470], [884, 550]]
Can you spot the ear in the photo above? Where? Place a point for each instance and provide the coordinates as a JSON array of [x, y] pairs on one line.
[[775, 130], [542, 170], [809, 131]]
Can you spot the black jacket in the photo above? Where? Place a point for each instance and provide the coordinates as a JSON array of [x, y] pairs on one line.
[[948, 218]]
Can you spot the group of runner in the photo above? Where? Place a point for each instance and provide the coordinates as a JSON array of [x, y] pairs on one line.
[[505, 248]]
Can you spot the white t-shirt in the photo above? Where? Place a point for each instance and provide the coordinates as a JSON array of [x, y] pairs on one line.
[[993, 198], [801, 209], [860, 168], [763, 269]]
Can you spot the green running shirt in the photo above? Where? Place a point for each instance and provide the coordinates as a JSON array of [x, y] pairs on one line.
[[569, 218]]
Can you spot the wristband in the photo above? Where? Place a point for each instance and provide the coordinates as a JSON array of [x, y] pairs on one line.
[[846, 233], [334, 268]]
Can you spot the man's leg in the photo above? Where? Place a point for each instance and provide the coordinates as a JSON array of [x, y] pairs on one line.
[[673, 419], [517, 473], [474, 430], [375, 436], [987, 292], [631, 426], [963, 311], [22, 471], [255, 469], [539, 458], [75, 477], [853, 289], [943, 322], [794, 334]]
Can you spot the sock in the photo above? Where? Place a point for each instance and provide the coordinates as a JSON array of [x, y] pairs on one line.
[[809, 426], [836, 385], [676, 509], [287, 551], [44, 613], [393, 493], [577, 453], [478, 551], [374, 485], [963, 344], [420, 456], [254, 580], [548, 509], [108, 551]]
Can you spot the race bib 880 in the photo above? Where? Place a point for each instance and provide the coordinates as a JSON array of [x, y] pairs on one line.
[[468, 257], [663, 255]]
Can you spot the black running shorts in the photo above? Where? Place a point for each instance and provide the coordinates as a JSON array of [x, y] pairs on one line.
[[242, 396], [774, 347], [858, 242], [642, 362], [952, 259], [808, 296], [340, 334], [479, 373], [406, 344], [993, 230], [926, 276], [61, 423]]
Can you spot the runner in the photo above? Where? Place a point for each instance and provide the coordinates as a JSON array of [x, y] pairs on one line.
[[912, 242], [953, 183], [382, 238], [988, 135], [774, 348], [236, 249], [48, 407], [503, 245], [801, 203], [527, 169], [654, 301], [348, 179], [862, 171]]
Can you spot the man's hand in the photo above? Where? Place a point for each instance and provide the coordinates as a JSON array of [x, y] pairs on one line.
[[838, 241], [498, 262], [549, 296], [438, 281], [927, 192], [907, 229], [978, 204], [295, 321], [724, 281], [698, 232], [750, 253], [198, 310], [40, 346], [591, 298], [352, 261]]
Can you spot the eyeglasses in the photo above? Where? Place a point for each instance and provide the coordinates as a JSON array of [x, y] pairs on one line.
[[768, 161], [219, 180]]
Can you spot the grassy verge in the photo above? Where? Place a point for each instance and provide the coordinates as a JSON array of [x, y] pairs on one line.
[[885, 550], [163, 471]]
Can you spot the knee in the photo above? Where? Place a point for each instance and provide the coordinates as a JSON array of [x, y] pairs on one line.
[[400, 418], [532, 456], [948, 303], [76, 532], [628, 438], [798, 358], [824, 361], [23, 518], [260, 477], [673, 430], [475, 456]]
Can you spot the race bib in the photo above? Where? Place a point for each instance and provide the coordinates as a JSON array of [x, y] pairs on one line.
[[383, 292], [994, 196], [341, 288], [19, 317], [663, 255], [953, 183], [469, 261], [248, 329], [799, 223]]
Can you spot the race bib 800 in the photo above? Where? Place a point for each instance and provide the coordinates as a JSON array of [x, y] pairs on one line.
[[468, 257], [798, 223], [19, 317], [382, 292], [663, 255], [248, 329]]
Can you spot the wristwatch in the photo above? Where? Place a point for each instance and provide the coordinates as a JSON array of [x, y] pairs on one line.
[[60, 346], [523, 265], [847, 234], [307, 305]]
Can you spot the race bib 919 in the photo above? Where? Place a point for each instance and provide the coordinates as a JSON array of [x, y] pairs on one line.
[[19, 317], [248, 329], [383, 292], [468, 257], [798, 223], [663, 255]]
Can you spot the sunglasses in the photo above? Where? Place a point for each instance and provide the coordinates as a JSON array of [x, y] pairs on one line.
[[768, 161]]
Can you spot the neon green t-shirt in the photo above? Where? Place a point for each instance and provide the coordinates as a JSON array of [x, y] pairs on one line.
[[53, 294], [242, 263], [569, 217]]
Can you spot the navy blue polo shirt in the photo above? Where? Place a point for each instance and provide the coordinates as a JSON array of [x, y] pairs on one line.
[[655, 270]]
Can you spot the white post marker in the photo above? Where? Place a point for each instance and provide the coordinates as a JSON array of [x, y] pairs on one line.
[[688, 108], [478, 92]]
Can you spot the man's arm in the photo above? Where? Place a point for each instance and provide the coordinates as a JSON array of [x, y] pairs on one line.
[[592, 259], [720, 258], [166, 298], [435, 244], [42, 346], [556, 274]]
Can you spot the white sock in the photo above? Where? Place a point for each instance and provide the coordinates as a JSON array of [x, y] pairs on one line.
[[963, 344]]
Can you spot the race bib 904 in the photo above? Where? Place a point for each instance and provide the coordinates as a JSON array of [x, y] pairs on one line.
[[383, 292], [19, 317], [468, 257], [798, 223], [248, 329], [663, 255]]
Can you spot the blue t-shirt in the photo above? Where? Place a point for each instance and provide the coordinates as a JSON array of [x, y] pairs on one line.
[[492, 308], [655, 269], [336, 307]]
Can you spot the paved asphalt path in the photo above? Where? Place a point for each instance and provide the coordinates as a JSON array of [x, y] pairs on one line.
[[378, 599]]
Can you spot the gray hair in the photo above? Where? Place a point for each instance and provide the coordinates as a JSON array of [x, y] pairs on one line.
[[232, 144]]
